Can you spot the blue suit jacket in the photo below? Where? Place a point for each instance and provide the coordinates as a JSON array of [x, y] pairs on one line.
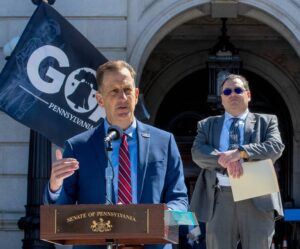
[[160, 171]]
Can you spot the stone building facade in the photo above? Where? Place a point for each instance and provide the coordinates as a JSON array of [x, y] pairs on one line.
[[168, 43]]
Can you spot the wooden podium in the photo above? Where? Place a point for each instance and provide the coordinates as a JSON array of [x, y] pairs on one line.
[[107, 224]]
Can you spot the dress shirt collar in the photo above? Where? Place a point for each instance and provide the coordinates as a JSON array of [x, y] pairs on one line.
[[242, 116]]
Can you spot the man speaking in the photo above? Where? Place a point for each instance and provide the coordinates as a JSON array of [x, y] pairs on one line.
[[146, 163]]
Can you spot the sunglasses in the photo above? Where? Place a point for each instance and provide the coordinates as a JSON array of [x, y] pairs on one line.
[[237, 90]]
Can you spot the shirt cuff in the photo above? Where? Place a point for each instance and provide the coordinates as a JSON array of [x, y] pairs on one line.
[[54, 195]]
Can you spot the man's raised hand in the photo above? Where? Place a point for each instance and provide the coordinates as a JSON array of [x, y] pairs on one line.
[[61, 169]]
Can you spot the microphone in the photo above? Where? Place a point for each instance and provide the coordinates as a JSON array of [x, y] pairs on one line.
[[113, 133]]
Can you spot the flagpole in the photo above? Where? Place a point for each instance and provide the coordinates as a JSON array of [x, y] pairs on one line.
[[39, 169], [37, 2]]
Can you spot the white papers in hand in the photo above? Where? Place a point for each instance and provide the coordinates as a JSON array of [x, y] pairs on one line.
[[259, 178]]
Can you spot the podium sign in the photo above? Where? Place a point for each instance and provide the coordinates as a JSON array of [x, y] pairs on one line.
[[101, 221], [103, 224]]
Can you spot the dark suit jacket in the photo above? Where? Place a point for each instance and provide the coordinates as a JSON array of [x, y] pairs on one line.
[[160, 171], [261, 141]]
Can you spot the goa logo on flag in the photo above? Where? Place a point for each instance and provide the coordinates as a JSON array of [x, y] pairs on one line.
[[79, 90]]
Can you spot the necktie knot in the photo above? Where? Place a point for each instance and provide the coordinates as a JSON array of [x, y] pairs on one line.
[[235, 121], [124, 140]]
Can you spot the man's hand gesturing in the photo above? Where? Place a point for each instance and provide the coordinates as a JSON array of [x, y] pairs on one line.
[[61, 169]]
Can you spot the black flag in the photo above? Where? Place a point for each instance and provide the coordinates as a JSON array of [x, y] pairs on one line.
[[49, 83]]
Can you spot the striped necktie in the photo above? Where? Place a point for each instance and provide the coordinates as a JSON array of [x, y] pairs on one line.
[[234, 134], [124, 184]]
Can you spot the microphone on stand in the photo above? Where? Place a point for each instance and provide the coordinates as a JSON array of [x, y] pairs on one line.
[[113, 133]]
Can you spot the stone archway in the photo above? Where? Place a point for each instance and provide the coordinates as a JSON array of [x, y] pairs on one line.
[[157, 24]]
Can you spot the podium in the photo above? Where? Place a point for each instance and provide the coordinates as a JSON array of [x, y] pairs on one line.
[[130, 225]]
